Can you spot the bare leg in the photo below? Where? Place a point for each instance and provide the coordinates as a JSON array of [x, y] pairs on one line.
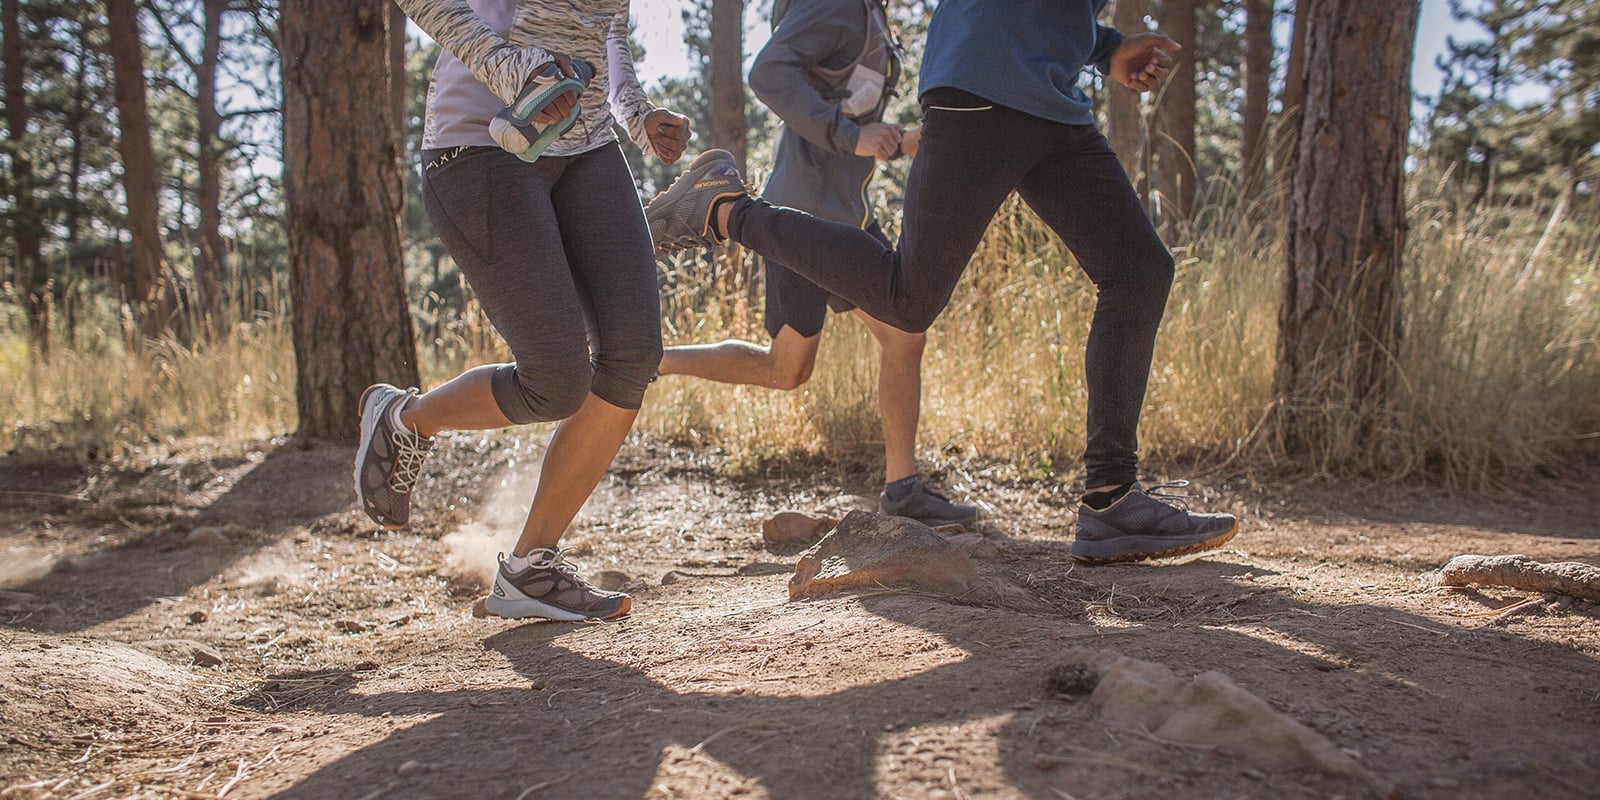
[[581, 450], [463, 403], [899, 395], [786, 364]]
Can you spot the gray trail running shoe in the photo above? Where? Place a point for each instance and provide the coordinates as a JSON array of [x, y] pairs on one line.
[[680, 217], [1148, 523], [389, 458], [928, 507], [549, 588]]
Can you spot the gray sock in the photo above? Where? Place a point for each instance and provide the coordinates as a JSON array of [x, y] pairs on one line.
[[900, 489]]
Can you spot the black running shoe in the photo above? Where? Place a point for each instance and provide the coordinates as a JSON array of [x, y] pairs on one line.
[[1148, 523]]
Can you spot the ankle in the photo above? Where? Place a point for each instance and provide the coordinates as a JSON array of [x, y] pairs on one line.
[[721, 216], [1102, 497]]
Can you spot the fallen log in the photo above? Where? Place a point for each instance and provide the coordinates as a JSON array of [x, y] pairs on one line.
[[1569, 578]]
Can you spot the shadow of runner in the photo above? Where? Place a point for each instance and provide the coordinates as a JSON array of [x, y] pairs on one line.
[[290, 487]]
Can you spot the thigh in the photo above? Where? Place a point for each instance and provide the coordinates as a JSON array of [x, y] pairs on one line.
[[608, 248], [494, 215], [970, 158], [1083, 194]]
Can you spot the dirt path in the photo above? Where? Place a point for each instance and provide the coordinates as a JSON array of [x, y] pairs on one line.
[[350, 669]]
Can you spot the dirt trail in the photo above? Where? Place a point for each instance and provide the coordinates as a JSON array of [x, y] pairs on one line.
[[350, 668]]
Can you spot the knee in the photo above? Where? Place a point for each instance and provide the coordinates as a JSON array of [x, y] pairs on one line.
[[622, 374], [790, 376], [547, 394]]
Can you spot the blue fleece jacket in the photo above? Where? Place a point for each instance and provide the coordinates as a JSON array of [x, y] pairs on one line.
[[1021, 54]]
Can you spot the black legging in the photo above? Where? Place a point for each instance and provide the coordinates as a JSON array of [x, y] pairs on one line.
[[972, 155], [559, 256]]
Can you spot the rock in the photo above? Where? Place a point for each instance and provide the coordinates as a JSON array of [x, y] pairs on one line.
[[197, 617], [672, 576], [758, 568], [869, 550], [411, 768], [974, 544], [206, 537], [612, 580], [1045, 761], [792, 530], [1209, 709], [194, 652], [351, 626]]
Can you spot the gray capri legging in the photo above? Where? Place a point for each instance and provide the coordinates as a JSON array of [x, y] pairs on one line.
[[559, 256]]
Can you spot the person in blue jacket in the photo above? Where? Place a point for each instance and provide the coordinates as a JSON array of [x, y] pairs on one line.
[[1002, 113], [828, 71]]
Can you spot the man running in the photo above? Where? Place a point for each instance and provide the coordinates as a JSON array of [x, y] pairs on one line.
[[828, 72], [1002, 113]]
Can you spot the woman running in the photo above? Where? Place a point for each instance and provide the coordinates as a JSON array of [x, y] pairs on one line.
[[555, 246]]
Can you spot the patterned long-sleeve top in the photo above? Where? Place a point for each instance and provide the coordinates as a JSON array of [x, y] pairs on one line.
[[492, 46]]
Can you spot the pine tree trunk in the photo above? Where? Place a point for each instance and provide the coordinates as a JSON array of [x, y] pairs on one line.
[[1339, 322], [1124, 121], [1175, 144], [352, 325], [1257, 89], [728, 126], [209, 265], [1288, 130], [29, 265], [144, 286]]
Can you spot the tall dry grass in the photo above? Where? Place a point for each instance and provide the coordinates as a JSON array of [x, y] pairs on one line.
[[1498, 370]]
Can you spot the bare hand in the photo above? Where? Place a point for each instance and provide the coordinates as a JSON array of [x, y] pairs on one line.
[[561, 106], [909, 139], [1143, 60], [878, 140], [668, 133]]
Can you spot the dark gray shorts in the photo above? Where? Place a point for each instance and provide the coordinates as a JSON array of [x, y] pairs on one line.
[[559, 255]]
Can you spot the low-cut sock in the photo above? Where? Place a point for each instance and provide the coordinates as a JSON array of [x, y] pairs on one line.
[[900, 489], [516, 563], [1100, 501]]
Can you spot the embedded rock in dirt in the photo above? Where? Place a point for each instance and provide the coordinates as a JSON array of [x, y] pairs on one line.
[[872, 550], [1209, 709], [186, 651], [794, 530], [206, 537]]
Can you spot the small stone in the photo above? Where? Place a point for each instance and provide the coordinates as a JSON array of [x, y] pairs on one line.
[[612, 580], [1045, 761], [205, 656], [275, 729], [671, 577], [411, 768], [351, 626], [1445, 783], [206, 537], [197, 617], [794, 530]]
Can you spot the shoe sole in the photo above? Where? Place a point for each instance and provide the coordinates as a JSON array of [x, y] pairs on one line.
[[366, 441], [533, 609], [1170, 552]]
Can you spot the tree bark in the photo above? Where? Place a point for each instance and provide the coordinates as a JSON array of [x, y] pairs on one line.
[[29, 264], [1174, 148], [1124, 120], [352, 325], [143, 279], [1288, 133], [1257, 90], [209, 266], [728, 125], [1339, 321]]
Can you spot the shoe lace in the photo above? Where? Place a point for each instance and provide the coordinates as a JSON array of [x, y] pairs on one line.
[[409, 455], [556, 559], [1163, 493]]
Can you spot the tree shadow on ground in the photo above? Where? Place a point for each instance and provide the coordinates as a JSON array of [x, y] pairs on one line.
[[581, 726], [146, 555]]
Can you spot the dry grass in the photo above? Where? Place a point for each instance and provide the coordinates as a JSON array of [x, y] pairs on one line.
[[1498, 371]]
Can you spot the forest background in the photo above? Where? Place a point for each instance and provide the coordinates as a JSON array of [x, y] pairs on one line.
[[126, 323]]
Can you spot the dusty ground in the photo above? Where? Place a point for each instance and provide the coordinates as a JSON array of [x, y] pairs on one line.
[[351, 669]]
